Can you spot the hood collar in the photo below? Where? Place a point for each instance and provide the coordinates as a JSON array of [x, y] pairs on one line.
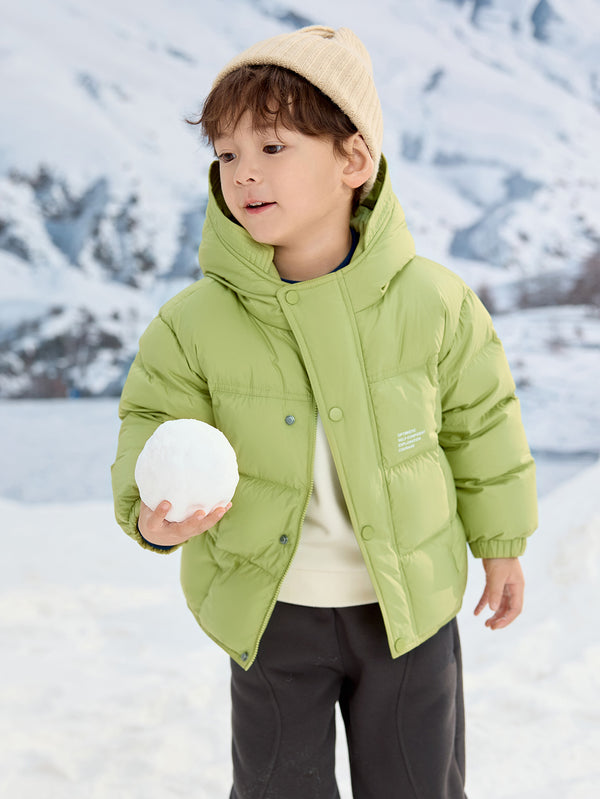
[[229, 255]]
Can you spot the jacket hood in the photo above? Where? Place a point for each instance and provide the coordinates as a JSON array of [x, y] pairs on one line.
[[229, 255]]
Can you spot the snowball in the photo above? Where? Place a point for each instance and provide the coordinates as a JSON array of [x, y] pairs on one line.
[[189, 463]]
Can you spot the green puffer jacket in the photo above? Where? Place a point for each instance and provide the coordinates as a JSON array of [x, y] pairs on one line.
[[401, 361]]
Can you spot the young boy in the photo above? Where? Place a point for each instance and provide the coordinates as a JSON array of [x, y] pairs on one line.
[[373, 415]]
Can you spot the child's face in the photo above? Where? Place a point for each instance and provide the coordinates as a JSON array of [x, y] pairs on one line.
[[285, 188]]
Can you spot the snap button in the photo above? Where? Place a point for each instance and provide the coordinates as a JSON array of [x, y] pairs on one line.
[[283, 539], [367, 532], [335, 414], [244, 656], [291, 297], [399, 645], [290, 419]]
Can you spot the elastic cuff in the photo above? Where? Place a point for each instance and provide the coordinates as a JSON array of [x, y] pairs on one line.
[[495, 548]]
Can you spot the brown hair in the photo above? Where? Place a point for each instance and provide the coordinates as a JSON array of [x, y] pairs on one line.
[[274, 96]]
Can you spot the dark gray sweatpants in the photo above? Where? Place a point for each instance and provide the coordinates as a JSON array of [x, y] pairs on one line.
[[404, 717]]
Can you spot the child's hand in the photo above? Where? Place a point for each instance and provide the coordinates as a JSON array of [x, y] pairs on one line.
[[157, 530], [504, 588]]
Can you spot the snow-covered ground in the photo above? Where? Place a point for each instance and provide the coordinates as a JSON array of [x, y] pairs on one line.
[[110, 691]]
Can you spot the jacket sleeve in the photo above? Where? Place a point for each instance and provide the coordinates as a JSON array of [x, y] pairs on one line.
[[483, 437], [161, 385]]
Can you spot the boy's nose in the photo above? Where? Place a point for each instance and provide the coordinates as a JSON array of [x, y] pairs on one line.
[[246, 172]]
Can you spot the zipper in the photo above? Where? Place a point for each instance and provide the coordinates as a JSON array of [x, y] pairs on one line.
[[280, 583]]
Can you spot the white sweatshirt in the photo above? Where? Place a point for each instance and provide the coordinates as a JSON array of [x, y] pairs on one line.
[[328, 569]]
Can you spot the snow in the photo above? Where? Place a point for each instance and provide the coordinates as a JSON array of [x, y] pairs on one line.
[[180, 458], [110, 689], [555, 360], [533, 694]]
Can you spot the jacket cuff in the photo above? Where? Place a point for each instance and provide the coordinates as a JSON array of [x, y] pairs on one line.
[[497, 548]]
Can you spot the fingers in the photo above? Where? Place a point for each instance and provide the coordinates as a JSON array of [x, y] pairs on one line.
[[156, 529], [193, 525], [482, 603], [496, 592], [200, 521], [152, 519], [504, 590], [509, 607], [160, 514]]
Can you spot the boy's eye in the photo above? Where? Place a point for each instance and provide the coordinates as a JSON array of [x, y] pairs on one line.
[[225, 158], [273, 149]]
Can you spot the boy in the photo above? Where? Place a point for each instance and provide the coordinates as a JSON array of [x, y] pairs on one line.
[[373, 415]]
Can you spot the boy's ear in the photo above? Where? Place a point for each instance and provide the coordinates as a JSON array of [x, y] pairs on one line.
[[359, 164]]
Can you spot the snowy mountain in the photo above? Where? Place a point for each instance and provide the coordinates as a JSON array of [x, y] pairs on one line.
[[491, 110]]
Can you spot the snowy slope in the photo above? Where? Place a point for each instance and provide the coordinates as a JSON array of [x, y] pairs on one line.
[[491, 129], [109, 689]]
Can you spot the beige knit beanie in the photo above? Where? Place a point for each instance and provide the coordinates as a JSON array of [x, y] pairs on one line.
[[337, 63]]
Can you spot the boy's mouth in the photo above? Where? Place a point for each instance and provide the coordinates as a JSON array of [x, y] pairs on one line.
[[257, 207]]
